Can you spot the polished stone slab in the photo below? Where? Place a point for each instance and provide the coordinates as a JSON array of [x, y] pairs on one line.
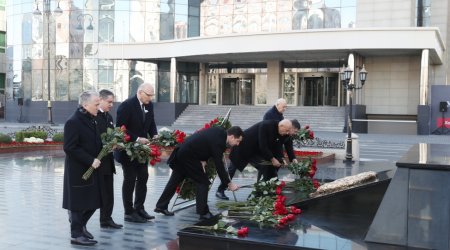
[[415, 211], [335, 221]]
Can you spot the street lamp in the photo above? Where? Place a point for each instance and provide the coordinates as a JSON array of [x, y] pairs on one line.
[[346, 75], [47, 14]]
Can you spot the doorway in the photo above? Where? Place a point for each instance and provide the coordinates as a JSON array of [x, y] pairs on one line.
[[320, 91], [237, 90]]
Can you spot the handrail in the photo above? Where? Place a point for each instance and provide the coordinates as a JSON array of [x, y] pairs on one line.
[[374, 120]]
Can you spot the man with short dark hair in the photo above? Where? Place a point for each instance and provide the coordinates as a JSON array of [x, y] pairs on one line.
[[189, 159], [262, 143], [107, 169]]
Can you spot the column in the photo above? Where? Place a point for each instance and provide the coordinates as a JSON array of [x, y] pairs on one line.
[[423, 94], [173, 79]]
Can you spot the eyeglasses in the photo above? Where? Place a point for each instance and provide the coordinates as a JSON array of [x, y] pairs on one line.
[[149, 95]]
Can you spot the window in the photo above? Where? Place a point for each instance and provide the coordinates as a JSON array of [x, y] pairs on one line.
[[2, 41]]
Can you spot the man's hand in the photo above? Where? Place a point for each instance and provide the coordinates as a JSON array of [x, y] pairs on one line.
[[275, 163], [143, 140], [232, 186], [203, 165], [96, 163]]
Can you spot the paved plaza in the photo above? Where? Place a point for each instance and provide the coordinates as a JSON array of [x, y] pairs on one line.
[[31, 198]]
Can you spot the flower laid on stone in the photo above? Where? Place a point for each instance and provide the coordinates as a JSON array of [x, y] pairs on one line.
[[304, 172], [301, 153], [265, 205], [33, 140], [224, 227], [168, 138], [116, 138]]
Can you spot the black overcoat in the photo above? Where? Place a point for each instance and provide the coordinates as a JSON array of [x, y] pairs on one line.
[[105, 121], [201, 146], [82, 144], [273, 114], [262, 139], [129, 113]]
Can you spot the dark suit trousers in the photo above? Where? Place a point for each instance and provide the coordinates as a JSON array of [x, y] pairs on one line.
[[267, 172], [79, 219], [107, 191], [176, 179], [134, 179]]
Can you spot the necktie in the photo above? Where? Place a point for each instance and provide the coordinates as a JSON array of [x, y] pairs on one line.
[[143, 112]]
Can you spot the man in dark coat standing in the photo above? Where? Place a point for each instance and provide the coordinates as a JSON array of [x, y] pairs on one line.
[[107, 168], [136, 114], [277, 111], [82, 143], [189, 160], [262, 143]]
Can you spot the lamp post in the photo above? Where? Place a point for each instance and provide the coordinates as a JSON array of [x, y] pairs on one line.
[[47, 13], [346, 75]]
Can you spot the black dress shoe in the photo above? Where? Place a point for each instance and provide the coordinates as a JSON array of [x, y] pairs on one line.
[[134, 217], [221, 195], [164, 211], [145, 215], [206, 216], [87, 234], [110, 224], [82, 240]]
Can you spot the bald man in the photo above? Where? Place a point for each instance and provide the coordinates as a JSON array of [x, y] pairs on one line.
[[136, 114], [261, 144]]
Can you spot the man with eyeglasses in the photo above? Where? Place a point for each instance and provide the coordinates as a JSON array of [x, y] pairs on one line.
[[136, 114]]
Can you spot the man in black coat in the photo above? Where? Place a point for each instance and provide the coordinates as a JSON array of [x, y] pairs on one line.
[[107, 168], [136, 114], [262, 143], [82, 143], [276, 111], [189, 160]]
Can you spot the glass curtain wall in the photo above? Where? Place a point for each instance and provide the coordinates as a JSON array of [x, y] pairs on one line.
[[248, 16]]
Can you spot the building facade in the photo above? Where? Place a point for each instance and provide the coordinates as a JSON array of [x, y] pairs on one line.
[[228, 52]]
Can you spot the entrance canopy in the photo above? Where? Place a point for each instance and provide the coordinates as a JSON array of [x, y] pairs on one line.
[[286, 46]]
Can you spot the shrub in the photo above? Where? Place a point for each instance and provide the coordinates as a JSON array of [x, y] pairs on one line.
[[58, 137], [5, 138], [27, 134]]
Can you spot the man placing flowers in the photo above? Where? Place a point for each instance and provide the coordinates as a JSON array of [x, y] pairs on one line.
[[261, 144], [189, 160]]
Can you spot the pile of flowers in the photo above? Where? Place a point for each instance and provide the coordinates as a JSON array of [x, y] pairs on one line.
[[218, 122], [116, 138], [168, 138], [33, 140], [304, 134], [266, 205], [15, 144], [224, 227], [301, 153], [187, 189], [304, 172]]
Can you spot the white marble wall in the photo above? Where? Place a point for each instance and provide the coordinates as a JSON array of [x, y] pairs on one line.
[[392, 86]]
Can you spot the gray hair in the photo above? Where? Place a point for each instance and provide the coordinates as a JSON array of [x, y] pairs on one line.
[[86, 97], [280, 101]]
